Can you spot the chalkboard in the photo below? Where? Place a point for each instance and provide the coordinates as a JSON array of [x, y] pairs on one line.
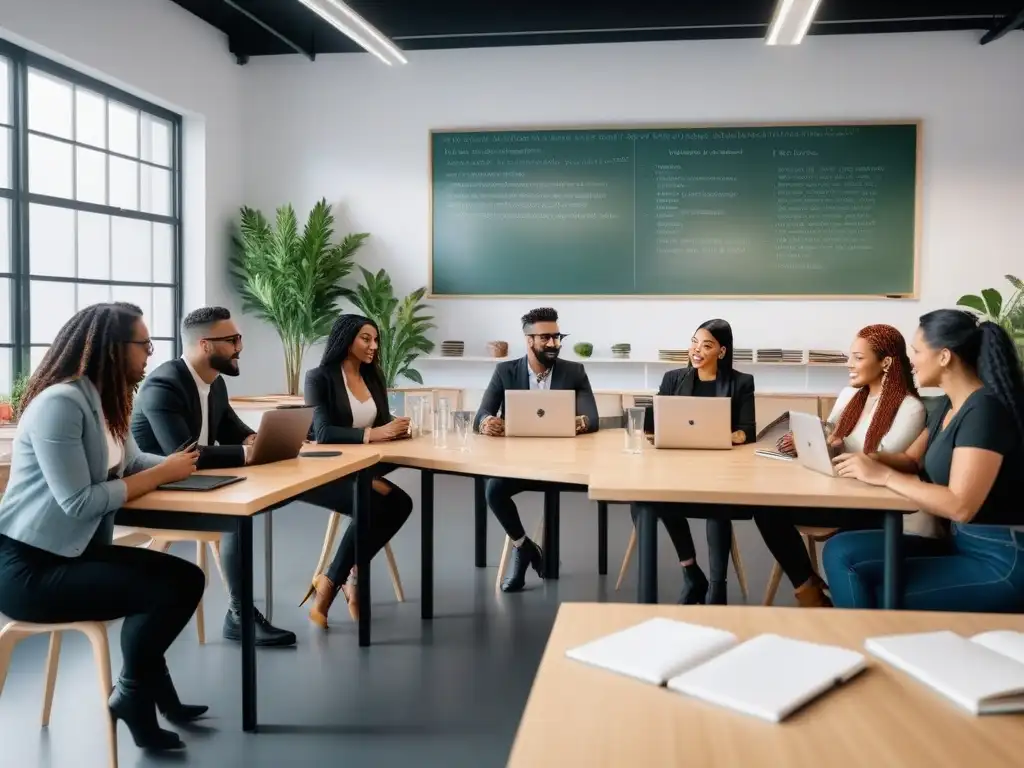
[[797, 210]]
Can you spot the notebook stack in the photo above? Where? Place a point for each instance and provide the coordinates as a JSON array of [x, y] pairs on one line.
[[788, 356], [621, 351], [826, 357], [452, 348], [674, 355], [743, 356]]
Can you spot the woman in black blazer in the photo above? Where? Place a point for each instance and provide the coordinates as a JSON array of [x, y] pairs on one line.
[[350, 405], [710, 374]]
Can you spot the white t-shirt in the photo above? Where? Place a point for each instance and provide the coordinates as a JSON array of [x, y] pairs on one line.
[[363, 414], [204, 403], [906, 426], [115, 451]]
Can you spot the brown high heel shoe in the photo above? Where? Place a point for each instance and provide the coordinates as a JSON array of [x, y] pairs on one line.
[[325, 592], [812, 594], [352, 595]]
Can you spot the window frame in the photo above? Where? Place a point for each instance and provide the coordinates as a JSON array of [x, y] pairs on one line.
[[20, 61]]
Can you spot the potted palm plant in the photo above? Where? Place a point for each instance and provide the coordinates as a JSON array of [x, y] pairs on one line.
[[292, 280], [402, 323], [1008, 313]]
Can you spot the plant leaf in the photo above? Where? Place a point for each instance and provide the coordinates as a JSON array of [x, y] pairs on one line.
[[972, 302], [993, 303]]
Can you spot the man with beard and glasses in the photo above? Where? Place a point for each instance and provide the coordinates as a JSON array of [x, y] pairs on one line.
[[540, 369], [186, 400]]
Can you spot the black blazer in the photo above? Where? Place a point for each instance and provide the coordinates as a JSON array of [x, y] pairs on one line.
[[167, 413], [332, 414], [738, 386], [515, 374]]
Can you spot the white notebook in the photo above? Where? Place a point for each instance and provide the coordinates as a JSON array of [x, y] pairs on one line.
[[983, 674], [769, 676]]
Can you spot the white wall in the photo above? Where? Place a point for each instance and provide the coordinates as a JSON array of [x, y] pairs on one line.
[[161, 52], [356, 132]]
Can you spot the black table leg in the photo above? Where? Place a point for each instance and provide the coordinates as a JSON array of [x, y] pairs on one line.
[[427, 544], [361, 512], [892, 587], [480, 515], [602, 538], [248, 626], [647, 554], [552, 512]]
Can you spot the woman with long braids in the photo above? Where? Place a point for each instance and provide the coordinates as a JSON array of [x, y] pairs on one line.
[[880, 412], [966, 466], [350, 405], [74, 464]]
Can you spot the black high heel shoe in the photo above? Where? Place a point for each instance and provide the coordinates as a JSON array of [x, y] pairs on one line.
[[695, 586], [170, 706], [135, 706]]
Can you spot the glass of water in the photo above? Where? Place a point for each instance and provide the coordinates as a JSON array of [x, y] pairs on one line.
[[463, 428], [635, 430]]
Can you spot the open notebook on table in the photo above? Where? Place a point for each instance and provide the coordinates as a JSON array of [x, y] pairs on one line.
[[768, 676], [983, 674]]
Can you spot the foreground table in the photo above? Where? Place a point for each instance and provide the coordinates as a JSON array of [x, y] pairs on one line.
[[231, 509], [583, 716]]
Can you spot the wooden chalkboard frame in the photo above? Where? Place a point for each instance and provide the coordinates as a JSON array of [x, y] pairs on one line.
[[918, 213]]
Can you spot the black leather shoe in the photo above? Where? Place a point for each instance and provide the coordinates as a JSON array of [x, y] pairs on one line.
[[267, 635], [718, 594], [170, 706], [526, 556], [134, 705], [695, 586]]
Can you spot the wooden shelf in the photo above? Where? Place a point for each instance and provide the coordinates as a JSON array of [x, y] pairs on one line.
[[631, 360]]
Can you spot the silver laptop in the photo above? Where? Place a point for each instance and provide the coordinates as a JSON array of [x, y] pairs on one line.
[[281, 434], [692, 422], [540, 413], [812, 449]]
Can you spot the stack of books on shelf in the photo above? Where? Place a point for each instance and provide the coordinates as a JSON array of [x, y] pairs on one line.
[[674, 355], [452, 348], [621, 351], [827, 357], [789, 356], [743, 356]]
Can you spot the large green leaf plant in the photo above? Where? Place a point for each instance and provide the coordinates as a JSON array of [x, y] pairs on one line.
[[1009, 313], [403, 324], [292, 280]]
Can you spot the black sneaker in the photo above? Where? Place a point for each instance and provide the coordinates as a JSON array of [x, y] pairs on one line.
[[267, 635], [526, 556]]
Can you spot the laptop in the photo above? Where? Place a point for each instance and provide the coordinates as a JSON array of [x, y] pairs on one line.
[[281, 435], [812, 449], [703, 423], [540, 413]]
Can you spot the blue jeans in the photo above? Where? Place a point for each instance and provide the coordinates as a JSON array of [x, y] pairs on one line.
[[980, 568]]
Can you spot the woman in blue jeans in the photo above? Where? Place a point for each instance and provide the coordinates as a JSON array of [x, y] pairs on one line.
[[967, 466]]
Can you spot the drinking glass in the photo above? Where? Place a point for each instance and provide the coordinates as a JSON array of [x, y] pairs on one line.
[[396, 404], [635, 430], [440, 429], [463, 428], [414, 407]]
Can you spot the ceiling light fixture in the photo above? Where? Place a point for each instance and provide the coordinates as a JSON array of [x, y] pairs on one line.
[[340, 16], [792, 20]]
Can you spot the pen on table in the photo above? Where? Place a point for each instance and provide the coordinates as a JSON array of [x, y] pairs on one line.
[[188, 444]]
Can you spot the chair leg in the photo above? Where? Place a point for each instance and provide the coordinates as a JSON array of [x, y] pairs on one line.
[[502, 562], [160, 545], [538, 533], [10, 636], [332, 531], [97, 634], [200, 615], [773, 584], [741, 573], [396, 580], [52, 659], [630, 548], [812, 552], [215, 551]]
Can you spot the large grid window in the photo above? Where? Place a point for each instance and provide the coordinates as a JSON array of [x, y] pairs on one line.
[[90, 207]]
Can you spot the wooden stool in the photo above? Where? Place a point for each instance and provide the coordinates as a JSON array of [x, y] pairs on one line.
[[737, 563], [332, 531], [96, 631], [812, 538]]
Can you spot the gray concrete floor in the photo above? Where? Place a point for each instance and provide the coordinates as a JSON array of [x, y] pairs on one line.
[[447, 693]]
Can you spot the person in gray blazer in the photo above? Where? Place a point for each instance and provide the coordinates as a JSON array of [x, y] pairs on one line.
[[539, 369], [74, 464]]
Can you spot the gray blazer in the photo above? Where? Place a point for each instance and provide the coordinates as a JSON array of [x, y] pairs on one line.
[[58, 497]]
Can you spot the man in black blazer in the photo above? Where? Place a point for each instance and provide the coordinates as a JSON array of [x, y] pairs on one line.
[[539, 369], [185, 400]]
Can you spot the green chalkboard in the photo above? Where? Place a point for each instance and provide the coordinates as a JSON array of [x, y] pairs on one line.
[[800, 210]]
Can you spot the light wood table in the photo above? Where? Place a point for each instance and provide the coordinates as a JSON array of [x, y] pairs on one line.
[[231, 509], [578, 715]]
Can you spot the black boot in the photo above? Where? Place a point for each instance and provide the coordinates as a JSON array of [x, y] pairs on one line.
[[267, 635], [718, 595], [695, 586], [526, 555], [170, 705], [133, 704]]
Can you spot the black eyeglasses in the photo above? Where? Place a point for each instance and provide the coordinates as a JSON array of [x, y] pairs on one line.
[[234, 339], [146, 343], [548, 337]]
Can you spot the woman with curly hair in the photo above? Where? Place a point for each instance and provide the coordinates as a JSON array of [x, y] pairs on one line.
[[74, 464]]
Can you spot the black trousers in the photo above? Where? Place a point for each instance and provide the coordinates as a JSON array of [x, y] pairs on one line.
[[155, 593], [719, 534], [499, 492]]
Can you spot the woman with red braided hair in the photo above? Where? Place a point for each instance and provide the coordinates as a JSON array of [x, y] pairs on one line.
[[879, 412]]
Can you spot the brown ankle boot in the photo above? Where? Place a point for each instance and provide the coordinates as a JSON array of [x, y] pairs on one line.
[[812, 594]]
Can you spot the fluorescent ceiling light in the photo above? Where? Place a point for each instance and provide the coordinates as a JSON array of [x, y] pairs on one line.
[[792, 20], [343, 18]]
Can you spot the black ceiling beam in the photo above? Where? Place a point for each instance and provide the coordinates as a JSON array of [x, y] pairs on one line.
[[263, 25], [1004, 26]]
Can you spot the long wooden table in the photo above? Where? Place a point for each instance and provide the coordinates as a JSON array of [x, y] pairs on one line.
[[232, 508], [578, 715]]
